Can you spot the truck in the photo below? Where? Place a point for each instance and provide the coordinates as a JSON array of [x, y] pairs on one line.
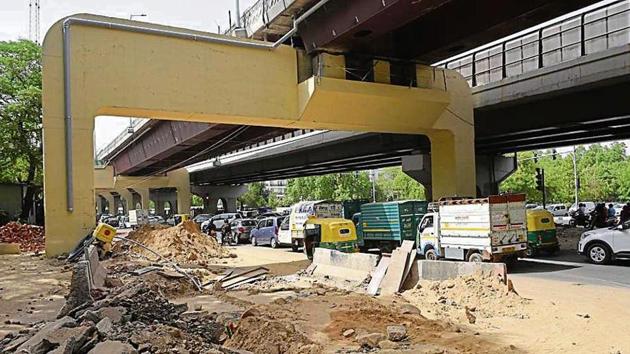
[[138, 217], [385, 225], [475, 229], [302, 211]]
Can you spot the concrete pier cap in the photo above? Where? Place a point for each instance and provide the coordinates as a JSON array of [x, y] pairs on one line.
[[95, 65]]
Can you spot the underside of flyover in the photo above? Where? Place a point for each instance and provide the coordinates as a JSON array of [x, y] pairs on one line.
[[166, 73]]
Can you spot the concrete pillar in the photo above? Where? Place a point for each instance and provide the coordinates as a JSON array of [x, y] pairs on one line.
[[329, 65], [491, 171], [99, 204], [111, 205], [144, 197], [181, 181], [418, 167], [128, 199], [210, 205], [229, 205], [159, 207]]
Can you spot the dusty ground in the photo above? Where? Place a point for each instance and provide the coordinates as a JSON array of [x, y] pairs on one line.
[[31, 290]]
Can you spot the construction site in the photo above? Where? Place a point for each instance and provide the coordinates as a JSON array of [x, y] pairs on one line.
[[316, 176]]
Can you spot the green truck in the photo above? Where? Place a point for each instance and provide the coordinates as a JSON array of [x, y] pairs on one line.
[[385, 225]]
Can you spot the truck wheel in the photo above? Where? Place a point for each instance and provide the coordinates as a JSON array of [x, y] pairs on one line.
[[294, 247], [430, 255], [598, 254], [475, 257]]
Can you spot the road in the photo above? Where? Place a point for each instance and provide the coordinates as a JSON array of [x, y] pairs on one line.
[[571, 267]]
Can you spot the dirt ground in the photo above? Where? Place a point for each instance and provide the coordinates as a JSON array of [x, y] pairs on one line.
[[31, 290]]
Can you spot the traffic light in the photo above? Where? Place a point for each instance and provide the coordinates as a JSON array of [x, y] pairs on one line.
[[540, 179]]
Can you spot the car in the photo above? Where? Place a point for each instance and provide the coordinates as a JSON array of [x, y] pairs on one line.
[[241, 228], [155, 220], [590, 206], [218, 221], [602, 246], [267, 215], [200, 218], [266, 232], [558, 209], [171, 220], [284, 234], [112, 221]]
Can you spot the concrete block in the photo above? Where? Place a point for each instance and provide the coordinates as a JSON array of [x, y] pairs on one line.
[[98, 273], [9, 248], [443, 270], [350, 266]]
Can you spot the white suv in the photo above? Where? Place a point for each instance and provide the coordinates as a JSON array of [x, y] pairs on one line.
[[601, 246]]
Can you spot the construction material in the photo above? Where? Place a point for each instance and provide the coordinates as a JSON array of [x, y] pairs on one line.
[[146, 270], [9, 248], [29, 237], [248, 276], [378, 275], [347, 266], [399, 268], [184, 244], [444, 270]]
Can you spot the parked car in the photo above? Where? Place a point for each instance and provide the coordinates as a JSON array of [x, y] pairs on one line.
[[284, 234], [200, 218], [266, 232], [241, 228], [267, 215], [558, 209], [218, 221], [112, 221], [602, 246], [156, 219]]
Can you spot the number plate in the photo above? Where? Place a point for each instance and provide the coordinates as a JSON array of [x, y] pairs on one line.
[[509, 249]]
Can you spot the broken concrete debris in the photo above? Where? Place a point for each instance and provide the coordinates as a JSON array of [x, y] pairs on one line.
[[30, 238]]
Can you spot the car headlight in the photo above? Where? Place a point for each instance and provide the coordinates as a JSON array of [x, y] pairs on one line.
[[585, 235]]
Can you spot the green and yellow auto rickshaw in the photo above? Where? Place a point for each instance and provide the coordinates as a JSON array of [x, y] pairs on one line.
[[541, 232], [332, 233]]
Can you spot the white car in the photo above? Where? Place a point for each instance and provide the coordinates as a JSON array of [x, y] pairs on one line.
[[601, 246]]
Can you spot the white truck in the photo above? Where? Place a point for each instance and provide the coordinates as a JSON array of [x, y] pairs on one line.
[[476, 230], [138, 217]]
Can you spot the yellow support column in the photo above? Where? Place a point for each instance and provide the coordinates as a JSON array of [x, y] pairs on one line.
[[180, 179], [128, 197], [144, 197]]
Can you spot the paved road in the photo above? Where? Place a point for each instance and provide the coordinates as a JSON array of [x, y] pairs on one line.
[[571, 267]]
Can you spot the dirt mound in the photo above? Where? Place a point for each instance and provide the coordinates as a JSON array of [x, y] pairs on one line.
[[183, 243], [264, 335], [478, 295], [29, 237]]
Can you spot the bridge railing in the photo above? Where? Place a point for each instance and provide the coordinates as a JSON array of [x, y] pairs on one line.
[[592, 31], [261, 13]]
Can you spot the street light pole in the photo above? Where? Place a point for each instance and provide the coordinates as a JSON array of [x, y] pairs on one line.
[[575, 177], [136, 15]]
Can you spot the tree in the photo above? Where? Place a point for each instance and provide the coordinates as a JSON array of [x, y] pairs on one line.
[[335, 186], [255, 197], [21, 117], [394, 184]]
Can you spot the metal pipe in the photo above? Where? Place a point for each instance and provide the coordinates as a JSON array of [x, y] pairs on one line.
[[144, 30], [238, 14]]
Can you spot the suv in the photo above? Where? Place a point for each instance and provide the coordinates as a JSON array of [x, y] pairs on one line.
[[602, 246]]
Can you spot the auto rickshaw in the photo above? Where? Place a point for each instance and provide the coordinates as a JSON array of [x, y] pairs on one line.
[[332, 233], [180, 218], [541, 232]]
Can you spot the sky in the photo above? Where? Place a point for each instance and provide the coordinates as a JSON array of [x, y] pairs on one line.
[[203, 15]]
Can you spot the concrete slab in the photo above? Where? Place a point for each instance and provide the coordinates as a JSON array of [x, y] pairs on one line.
[[350, 266], [443, 270], [9, 248]]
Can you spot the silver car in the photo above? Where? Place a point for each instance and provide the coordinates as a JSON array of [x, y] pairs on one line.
[[241, 228]]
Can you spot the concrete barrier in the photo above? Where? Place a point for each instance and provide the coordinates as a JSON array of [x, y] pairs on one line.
[[443, 270], [9, 248], [350, 266]]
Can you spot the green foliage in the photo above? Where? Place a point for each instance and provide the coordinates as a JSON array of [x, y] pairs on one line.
[[604, 172], [197, 200], [20, 112], [394, 184], [255, 197], [336, 186]]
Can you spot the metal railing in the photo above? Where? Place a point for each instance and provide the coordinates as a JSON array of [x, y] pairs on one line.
[[112, 145], [260, 14], [592, 31]]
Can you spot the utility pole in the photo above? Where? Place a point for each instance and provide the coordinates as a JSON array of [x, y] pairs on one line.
[[33, 20], [576, 181]]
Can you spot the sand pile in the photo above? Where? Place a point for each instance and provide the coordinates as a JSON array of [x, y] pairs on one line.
[[260, 334], [183, 243], [481, 295]]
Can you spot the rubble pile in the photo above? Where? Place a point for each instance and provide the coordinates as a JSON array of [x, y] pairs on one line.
[[131, 316], [183, 243], [468, 297], [29, 237], [259, 334]]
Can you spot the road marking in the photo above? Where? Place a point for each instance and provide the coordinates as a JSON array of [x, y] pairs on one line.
[[548, 261]]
